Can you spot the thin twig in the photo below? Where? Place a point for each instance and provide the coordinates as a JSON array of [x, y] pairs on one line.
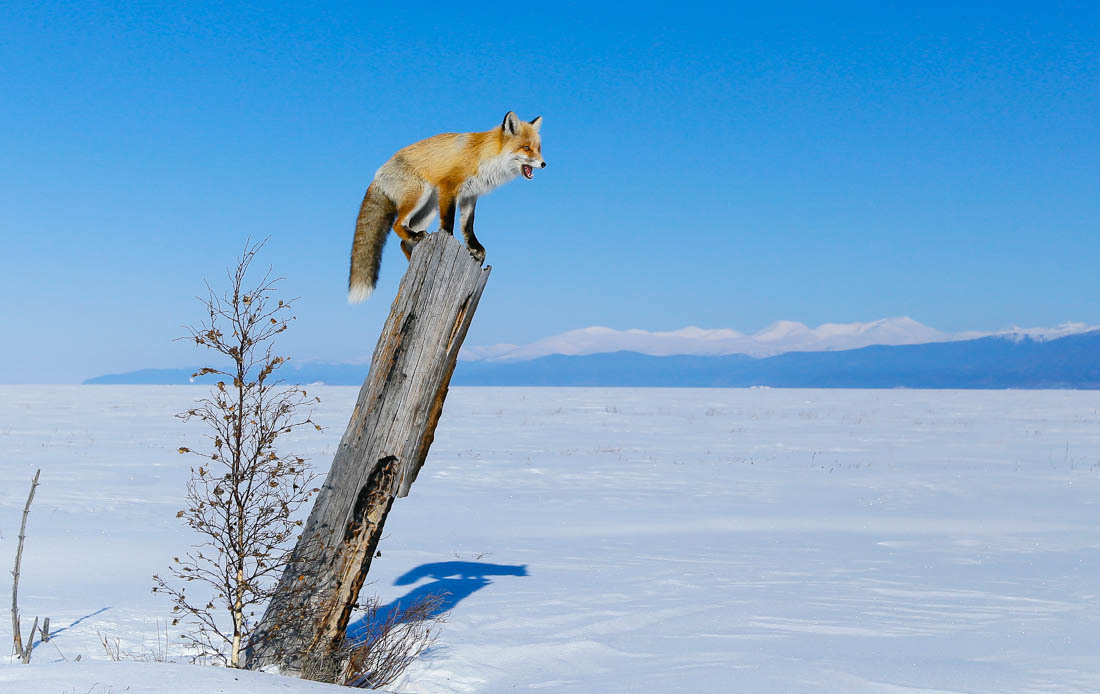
[[54, 644]]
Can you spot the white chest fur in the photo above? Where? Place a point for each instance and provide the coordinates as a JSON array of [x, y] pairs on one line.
[[492, 173]]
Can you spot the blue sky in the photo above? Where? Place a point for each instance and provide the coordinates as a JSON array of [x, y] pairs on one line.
[[720, 166]]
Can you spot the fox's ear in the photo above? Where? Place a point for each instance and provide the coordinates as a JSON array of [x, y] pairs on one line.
[[510, 126], [537, 123]]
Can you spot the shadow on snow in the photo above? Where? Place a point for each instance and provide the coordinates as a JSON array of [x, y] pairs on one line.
[[451, 580], [78, 620]]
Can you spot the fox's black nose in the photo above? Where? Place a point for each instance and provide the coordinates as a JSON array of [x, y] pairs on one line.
[[543, 165]]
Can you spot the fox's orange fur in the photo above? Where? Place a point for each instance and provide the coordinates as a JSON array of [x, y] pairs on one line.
[[444, 174]]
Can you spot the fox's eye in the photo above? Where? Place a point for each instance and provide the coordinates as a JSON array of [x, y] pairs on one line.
[[526, 148]]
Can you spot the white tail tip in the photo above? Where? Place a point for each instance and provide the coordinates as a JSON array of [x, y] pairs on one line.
[[359, 292]]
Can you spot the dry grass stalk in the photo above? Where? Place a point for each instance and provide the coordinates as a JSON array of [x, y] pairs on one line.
[[112, 646]]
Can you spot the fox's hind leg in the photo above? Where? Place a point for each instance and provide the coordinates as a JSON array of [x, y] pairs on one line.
[[414, 213]]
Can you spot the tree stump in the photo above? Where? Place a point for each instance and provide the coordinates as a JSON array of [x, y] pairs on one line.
[[381, 453]]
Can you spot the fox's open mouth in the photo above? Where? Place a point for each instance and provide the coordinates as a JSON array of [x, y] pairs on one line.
[[528, 172]]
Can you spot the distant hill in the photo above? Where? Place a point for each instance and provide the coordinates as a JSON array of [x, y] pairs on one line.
[[990, 362], [336, 374]]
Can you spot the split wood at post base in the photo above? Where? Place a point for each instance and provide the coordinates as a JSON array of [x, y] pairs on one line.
[[386, 442]]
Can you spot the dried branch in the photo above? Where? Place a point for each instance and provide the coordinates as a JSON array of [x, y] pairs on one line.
[[26, 655], [17, 637], [391, 641]]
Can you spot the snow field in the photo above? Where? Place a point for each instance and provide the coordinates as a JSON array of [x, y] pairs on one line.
[[624, 540]]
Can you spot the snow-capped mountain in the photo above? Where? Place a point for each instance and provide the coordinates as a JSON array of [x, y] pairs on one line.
[[778, 338], [896, 352]]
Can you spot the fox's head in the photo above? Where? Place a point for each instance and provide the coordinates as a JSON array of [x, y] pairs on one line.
[[522, 140]]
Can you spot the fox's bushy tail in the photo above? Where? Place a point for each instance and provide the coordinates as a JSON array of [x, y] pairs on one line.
[[376, 216]]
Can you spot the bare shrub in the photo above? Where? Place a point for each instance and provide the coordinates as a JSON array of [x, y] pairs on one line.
[[242, 501], [390, 642]]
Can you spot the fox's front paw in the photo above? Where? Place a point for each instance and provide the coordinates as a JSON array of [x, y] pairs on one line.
[[478, 252], [416, 237]]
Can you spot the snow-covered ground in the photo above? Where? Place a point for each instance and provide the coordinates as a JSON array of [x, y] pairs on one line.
[[621, 540]]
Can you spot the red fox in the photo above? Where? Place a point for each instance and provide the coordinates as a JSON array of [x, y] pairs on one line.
[[441, 173]]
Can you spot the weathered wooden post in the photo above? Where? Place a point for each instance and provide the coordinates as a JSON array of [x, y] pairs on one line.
[[380, 454]]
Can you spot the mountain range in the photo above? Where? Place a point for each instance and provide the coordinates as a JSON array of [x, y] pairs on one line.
[[1063, 357], [777, 338]]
